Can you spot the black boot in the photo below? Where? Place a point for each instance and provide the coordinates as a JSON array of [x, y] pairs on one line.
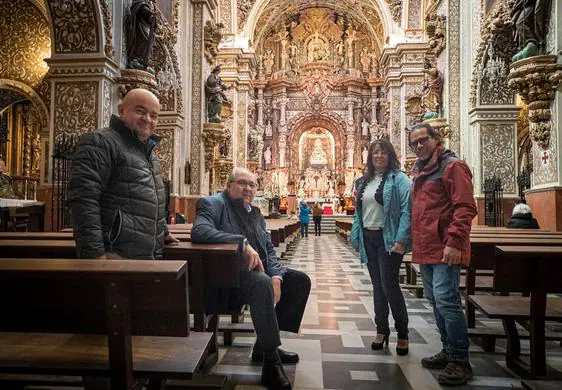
[[273, 376], [285, 356]]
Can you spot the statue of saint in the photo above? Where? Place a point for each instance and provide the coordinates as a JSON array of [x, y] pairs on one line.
[[530, 19], [36, 152], [268, 129], [293, 53], [432, 90], [214, 94], [141, 28], [318, 156], [253, 142], [364, 127], [267, 155], [364, 155], [365, 58], [316, 49]]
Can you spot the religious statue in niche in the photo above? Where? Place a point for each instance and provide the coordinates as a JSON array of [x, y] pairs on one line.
[[364, 155], [253, 143], [293, 55], [375, 65], [140, 34], [340, 53], [214, 95], [365, 59], [36, 151], [268, 61], [318, 157], [268, 129], [530, 20], [267, 155], [364, 127], [432, 90], [317, 49]]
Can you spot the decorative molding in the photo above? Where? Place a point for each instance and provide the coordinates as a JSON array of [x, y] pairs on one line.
[[28, 42], [454, 76], [536, 80], [165, 152], [498, 148], [225, 7], [436, 31], [107, 104], [396, 10], [82, 67], [243, 8], [196, 98], [75, 26], [211, 37], [75, 107], [107, 14], [499, 113]]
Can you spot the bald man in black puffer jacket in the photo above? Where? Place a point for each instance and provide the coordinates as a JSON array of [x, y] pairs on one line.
[[116, 192]]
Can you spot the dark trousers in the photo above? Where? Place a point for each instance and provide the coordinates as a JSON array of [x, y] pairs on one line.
[[257, 290], [304, 229], [317, 223], [384, 269]]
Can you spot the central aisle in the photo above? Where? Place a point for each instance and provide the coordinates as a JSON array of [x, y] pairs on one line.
[[337, 329]]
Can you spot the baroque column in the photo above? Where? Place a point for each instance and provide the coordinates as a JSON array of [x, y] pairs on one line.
[[495, 128]]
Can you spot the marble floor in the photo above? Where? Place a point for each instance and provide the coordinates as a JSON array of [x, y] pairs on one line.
[[335, 336]]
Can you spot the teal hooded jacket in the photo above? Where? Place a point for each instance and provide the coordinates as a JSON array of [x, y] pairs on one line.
[[397, 207]]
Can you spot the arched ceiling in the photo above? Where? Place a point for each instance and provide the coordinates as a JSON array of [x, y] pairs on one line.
[[365, 15]]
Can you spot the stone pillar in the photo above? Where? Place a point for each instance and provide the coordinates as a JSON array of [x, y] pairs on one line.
[[496, 134]]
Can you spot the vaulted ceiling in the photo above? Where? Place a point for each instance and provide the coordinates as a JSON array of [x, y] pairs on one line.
[[364, 14]]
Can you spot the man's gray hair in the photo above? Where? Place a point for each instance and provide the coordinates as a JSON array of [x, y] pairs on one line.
[[239, 170]]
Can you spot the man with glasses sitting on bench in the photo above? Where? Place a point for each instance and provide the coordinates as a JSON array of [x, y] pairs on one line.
[[277, 295]]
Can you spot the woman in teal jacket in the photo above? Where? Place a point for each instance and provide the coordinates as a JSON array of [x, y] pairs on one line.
[[381, 233], [304, 218]]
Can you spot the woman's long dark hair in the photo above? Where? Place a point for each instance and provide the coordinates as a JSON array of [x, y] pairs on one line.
[[387, 147]]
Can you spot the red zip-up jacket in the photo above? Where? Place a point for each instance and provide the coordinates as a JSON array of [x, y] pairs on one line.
[[443, 207]]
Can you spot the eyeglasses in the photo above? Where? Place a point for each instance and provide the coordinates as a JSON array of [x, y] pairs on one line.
[[421, 141], [244, 183]]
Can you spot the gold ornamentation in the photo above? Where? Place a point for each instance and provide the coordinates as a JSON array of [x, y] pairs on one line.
[[135, 78], [243, 8], [75, 107], [212, 36], [165, 152], [414, 109], [36, 154], [436, 31], [396, 10], [536, 79], [75, 27], [223, 168], [213, 134], [26, 45], [107, 13], [196, 98]]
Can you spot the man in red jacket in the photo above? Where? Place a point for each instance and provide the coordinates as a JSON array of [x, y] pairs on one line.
[[442, 211]]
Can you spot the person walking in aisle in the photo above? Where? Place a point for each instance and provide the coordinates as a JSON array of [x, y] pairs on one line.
[[381, 233], [317, 218], [304, 217]]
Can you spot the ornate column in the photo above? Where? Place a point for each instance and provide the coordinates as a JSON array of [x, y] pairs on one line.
[[496, 132], [81, 98], [349, 131], [282, 128]]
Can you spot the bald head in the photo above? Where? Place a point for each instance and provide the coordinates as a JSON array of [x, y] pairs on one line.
[[139, 109]]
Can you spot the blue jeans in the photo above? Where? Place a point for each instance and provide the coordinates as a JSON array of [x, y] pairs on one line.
[[304, 229], [441, 286], [384, 269]]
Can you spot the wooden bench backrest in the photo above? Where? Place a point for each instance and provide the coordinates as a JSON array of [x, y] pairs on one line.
[[69, 296], [528, 269]]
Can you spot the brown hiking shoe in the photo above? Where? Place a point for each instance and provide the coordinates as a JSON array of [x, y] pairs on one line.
[[455, 374], [436, 362]]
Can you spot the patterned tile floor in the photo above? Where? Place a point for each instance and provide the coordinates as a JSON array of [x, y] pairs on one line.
[[334, 341]]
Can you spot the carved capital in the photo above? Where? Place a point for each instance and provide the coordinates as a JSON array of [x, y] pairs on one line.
[[135, 78], [536, 79], [223, 167]]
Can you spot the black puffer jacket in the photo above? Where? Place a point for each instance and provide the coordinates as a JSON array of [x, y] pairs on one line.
[[523, 221], [117, 195]]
